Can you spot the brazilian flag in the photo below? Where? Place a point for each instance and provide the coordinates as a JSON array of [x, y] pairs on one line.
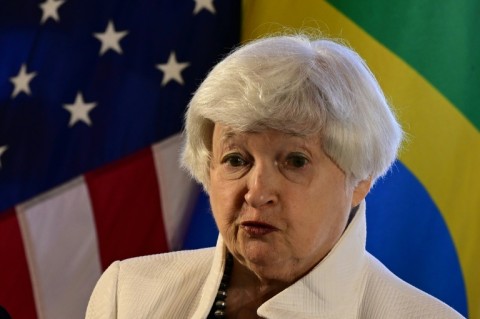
[[424, 218]]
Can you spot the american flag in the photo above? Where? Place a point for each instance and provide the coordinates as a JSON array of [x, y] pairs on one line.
[[92, 96]]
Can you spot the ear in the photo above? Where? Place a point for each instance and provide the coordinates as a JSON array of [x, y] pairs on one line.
[[360, 191]]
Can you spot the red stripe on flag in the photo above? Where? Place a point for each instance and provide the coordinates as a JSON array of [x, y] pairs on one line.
[[126, 203], [16, 294]]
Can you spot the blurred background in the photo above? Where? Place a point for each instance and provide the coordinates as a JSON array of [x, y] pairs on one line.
[[92, 96]]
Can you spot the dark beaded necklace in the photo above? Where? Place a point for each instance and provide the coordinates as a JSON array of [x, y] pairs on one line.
[[220, 303]]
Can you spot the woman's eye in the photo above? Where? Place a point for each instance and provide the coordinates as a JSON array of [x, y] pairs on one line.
[[234, 160], [296, 161]]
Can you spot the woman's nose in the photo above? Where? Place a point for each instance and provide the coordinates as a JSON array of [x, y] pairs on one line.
[[262, 186]]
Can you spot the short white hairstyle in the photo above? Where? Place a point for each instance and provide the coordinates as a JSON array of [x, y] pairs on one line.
[[301, 86]]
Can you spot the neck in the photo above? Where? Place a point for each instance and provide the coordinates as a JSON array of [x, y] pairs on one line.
[[247, 292]]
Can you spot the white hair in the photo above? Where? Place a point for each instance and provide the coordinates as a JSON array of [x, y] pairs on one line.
[[299, 86]]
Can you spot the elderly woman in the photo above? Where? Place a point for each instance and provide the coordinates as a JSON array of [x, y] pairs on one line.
[[286, 135]]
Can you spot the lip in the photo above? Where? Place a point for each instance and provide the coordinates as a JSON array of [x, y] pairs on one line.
[[257, 229]]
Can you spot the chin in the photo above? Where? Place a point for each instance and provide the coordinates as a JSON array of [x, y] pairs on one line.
[[263, 258]]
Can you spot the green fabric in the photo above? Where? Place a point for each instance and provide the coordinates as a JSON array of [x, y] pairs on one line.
[[416, 30]]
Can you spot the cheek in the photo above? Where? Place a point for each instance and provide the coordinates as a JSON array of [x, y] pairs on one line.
[[320, 216], [224, 200]]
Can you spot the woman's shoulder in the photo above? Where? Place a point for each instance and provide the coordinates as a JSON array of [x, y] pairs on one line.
[[174, 258], [184, 260], [388, 296], [150, 286]]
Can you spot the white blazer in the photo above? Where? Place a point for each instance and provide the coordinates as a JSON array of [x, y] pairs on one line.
[[348, 283]]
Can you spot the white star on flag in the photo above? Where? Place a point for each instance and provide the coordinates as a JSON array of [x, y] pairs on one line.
[[21, 82], [110, 39], [2, 150], [50, 9], [172, 69], [203, 4], [79, 110]]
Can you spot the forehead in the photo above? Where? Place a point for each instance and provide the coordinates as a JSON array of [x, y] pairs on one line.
[[225, 135]]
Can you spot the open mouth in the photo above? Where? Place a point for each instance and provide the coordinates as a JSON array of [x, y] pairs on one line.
[[257, 229]]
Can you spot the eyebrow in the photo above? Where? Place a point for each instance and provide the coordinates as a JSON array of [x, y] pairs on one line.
[[228, 134], [229, 139]]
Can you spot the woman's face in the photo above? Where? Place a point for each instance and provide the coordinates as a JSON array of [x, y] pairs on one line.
[[279, 202]]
